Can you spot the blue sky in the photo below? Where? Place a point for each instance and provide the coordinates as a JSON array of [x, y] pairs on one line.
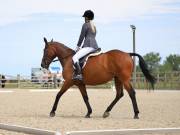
[[24, 23]]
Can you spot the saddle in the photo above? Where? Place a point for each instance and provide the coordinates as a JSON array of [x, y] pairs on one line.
[[83, 60]]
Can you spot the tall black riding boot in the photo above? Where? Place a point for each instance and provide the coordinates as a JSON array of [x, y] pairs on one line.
[[77, 72]]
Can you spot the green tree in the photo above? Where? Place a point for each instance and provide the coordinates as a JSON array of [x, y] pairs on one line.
[[152, 59], [172, 63]]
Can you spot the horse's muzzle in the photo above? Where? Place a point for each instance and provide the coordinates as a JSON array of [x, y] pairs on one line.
[[43, 65]]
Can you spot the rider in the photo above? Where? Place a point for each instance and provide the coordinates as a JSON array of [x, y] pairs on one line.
[[88, 34]]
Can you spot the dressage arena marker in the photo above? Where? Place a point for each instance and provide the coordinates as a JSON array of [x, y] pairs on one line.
[[126, 131], [27, 130]]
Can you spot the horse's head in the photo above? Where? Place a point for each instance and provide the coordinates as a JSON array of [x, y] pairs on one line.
[[48, 55]]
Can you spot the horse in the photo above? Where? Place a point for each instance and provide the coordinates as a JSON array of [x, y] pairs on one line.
[[113, 64]]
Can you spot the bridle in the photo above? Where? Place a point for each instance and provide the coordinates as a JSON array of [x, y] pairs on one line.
[[46, 59]]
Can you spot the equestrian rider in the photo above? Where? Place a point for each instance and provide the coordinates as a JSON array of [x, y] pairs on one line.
[[88, 34]]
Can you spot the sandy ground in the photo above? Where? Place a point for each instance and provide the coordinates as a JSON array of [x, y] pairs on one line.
[[159, 109]]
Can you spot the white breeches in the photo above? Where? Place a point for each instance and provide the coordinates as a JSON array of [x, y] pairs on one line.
[[81, 53]]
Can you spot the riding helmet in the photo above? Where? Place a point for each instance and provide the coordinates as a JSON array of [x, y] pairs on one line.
[[89, 14]]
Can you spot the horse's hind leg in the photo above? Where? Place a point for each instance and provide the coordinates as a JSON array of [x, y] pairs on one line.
[[132, 95], [119, 94], [83, 91]]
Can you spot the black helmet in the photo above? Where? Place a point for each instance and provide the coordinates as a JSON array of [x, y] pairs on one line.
[[89, 14]]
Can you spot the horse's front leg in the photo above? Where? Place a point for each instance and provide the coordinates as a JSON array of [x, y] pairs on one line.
[[64, 88], [83, 91]]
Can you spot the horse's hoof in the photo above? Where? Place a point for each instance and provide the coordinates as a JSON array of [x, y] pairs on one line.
[[52, 114], [136, 117], [87, 116], [106, 114]]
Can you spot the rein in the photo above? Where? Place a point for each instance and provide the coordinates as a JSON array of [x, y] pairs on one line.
[[64, 57]]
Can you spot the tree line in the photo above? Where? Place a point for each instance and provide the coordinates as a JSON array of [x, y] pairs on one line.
[[153, 61]]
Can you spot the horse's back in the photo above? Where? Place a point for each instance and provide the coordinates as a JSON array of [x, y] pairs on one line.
[[107, 65], [111, 60]]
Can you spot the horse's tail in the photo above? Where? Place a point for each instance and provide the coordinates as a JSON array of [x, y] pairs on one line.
[[144, 69]]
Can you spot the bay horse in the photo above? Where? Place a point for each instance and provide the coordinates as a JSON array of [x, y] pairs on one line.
[[98, 70]]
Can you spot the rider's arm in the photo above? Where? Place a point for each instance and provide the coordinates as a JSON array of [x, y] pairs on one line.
[[82, 35]]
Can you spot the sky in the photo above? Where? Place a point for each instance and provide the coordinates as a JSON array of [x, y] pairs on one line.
[[24, 23]]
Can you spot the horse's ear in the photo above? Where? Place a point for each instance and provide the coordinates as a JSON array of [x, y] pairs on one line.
[[52, 40], [46, 43]]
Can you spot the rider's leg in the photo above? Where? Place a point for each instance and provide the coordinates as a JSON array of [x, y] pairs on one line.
[[77, 72], [81, 53]]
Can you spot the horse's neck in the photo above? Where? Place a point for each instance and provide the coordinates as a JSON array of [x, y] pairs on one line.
[[63, 53]]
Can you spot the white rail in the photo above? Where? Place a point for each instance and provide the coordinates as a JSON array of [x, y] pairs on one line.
[[37, 131], [27, 130], [127, 131]]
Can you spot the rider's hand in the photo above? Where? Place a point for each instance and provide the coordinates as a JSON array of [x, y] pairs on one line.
[[77, 48]]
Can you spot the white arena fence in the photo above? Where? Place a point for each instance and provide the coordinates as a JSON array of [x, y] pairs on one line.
[[37, 131], [38, 82], [169, 80], [31, 81]]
